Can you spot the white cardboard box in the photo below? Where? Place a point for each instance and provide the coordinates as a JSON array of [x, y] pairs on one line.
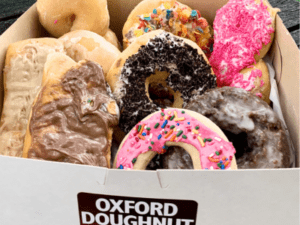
[[38, 192]]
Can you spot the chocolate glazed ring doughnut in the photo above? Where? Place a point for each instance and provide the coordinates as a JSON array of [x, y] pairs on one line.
[[249, 123], [200, 137], [157, 57]]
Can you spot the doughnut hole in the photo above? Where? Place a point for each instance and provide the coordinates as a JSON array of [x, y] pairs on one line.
[[160, 93]]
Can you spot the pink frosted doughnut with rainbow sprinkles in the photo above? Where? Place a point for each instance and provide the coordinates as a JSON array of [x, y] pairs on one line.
[[200, 137], [244, 31]]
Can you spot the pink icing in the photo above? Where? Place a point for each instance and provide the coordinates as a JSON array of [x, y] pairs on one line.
[[259, 95], [241, 27], [212, 147]]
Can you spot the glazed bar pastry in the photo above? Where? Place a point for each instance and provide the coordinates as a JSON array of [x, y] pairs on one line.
[[73, 116], [22, 78]]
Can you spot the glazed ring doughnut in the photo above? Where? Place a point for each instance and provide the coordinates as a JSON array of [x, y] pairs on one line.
[[244, 31], [201, 138], [171, 16], [157, 57], [249, 123], [59, 17], [83, 44]]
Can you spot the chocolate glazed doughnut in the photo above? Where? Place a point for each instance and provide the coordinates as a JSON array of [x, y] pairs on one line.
[[157, 57], [249, 123]]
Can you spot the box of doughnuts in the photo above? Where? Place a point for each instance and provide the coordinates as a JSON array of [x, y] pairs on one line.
[[156, 112]]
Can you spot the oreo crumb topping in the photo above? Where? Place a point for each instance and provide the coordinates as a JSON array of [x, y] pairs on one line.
[[188, 73]]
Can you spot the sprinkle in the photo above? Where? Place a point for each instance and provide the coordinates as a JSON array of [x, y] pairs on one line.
[[177, 124], [188, 123], [211, 168], [137, 139], [154, 11], [167, 117], [184, 137], [224, 158], [222, 167], [179, 133], [121, 167], [142, 129], [226, 163], [150, 147], [169, 112], [201, 141], [156, 125], [213, 160], [146, 29], [148, 128], [211, 155], [220, 151], [179, 119], [141, 137], [138, 33], [217, 153], [165, 131], [172, 127], [134, 160], [218, 139], [205, 140], [172, 117], [164, 124], [195, 131], [165, 147], [159, 137], [55, 21], [197, 127], [201, 31], [230, 157], [183, 112], [139, 128], [175, 114], [219, 164], [152, 143], [162, 114], [194, 13], [221, 161], [173, 137], [144, 134], [209, 139], [148, 18], [161, 118], [169, 133]]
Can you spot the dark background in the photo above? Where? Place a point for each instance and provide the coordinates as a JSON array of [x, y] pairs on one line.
[[11, 10]]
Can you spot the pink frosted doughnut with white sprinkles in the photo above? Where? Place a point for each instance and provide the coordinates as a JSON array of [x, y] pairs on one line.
[[244, 31]]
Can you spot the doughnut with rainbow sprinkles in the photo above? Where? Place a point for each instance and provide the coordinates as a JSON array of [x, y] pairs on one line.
[[201, 138]]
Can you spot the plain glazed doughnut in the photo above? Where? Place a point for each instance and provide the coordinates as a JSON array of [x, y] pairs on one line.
[[171, 16], [249, 123], [83, 44], [201, 138], [24, 65], [111, 37], [73, 116], [157, 57], [59, 17], [244, 31]]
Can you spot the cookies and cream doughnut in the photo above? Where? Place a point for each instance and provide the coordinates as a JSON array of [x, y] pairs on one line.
[[111, 37], [59, 17], [171, 16], [249, 123], [244, 31], [157, 57], [201, 138], [83, 44], [22, 78], [73, 116]]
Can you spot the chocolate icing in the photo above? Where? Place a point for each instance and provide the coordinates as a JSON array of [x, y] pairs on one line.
[[74, 128], [188, 73], [249, 123]]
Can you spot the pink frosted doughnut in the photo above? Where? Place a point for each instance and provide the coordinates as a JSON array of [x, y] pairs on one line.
[[201, 138], [244, 31]]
